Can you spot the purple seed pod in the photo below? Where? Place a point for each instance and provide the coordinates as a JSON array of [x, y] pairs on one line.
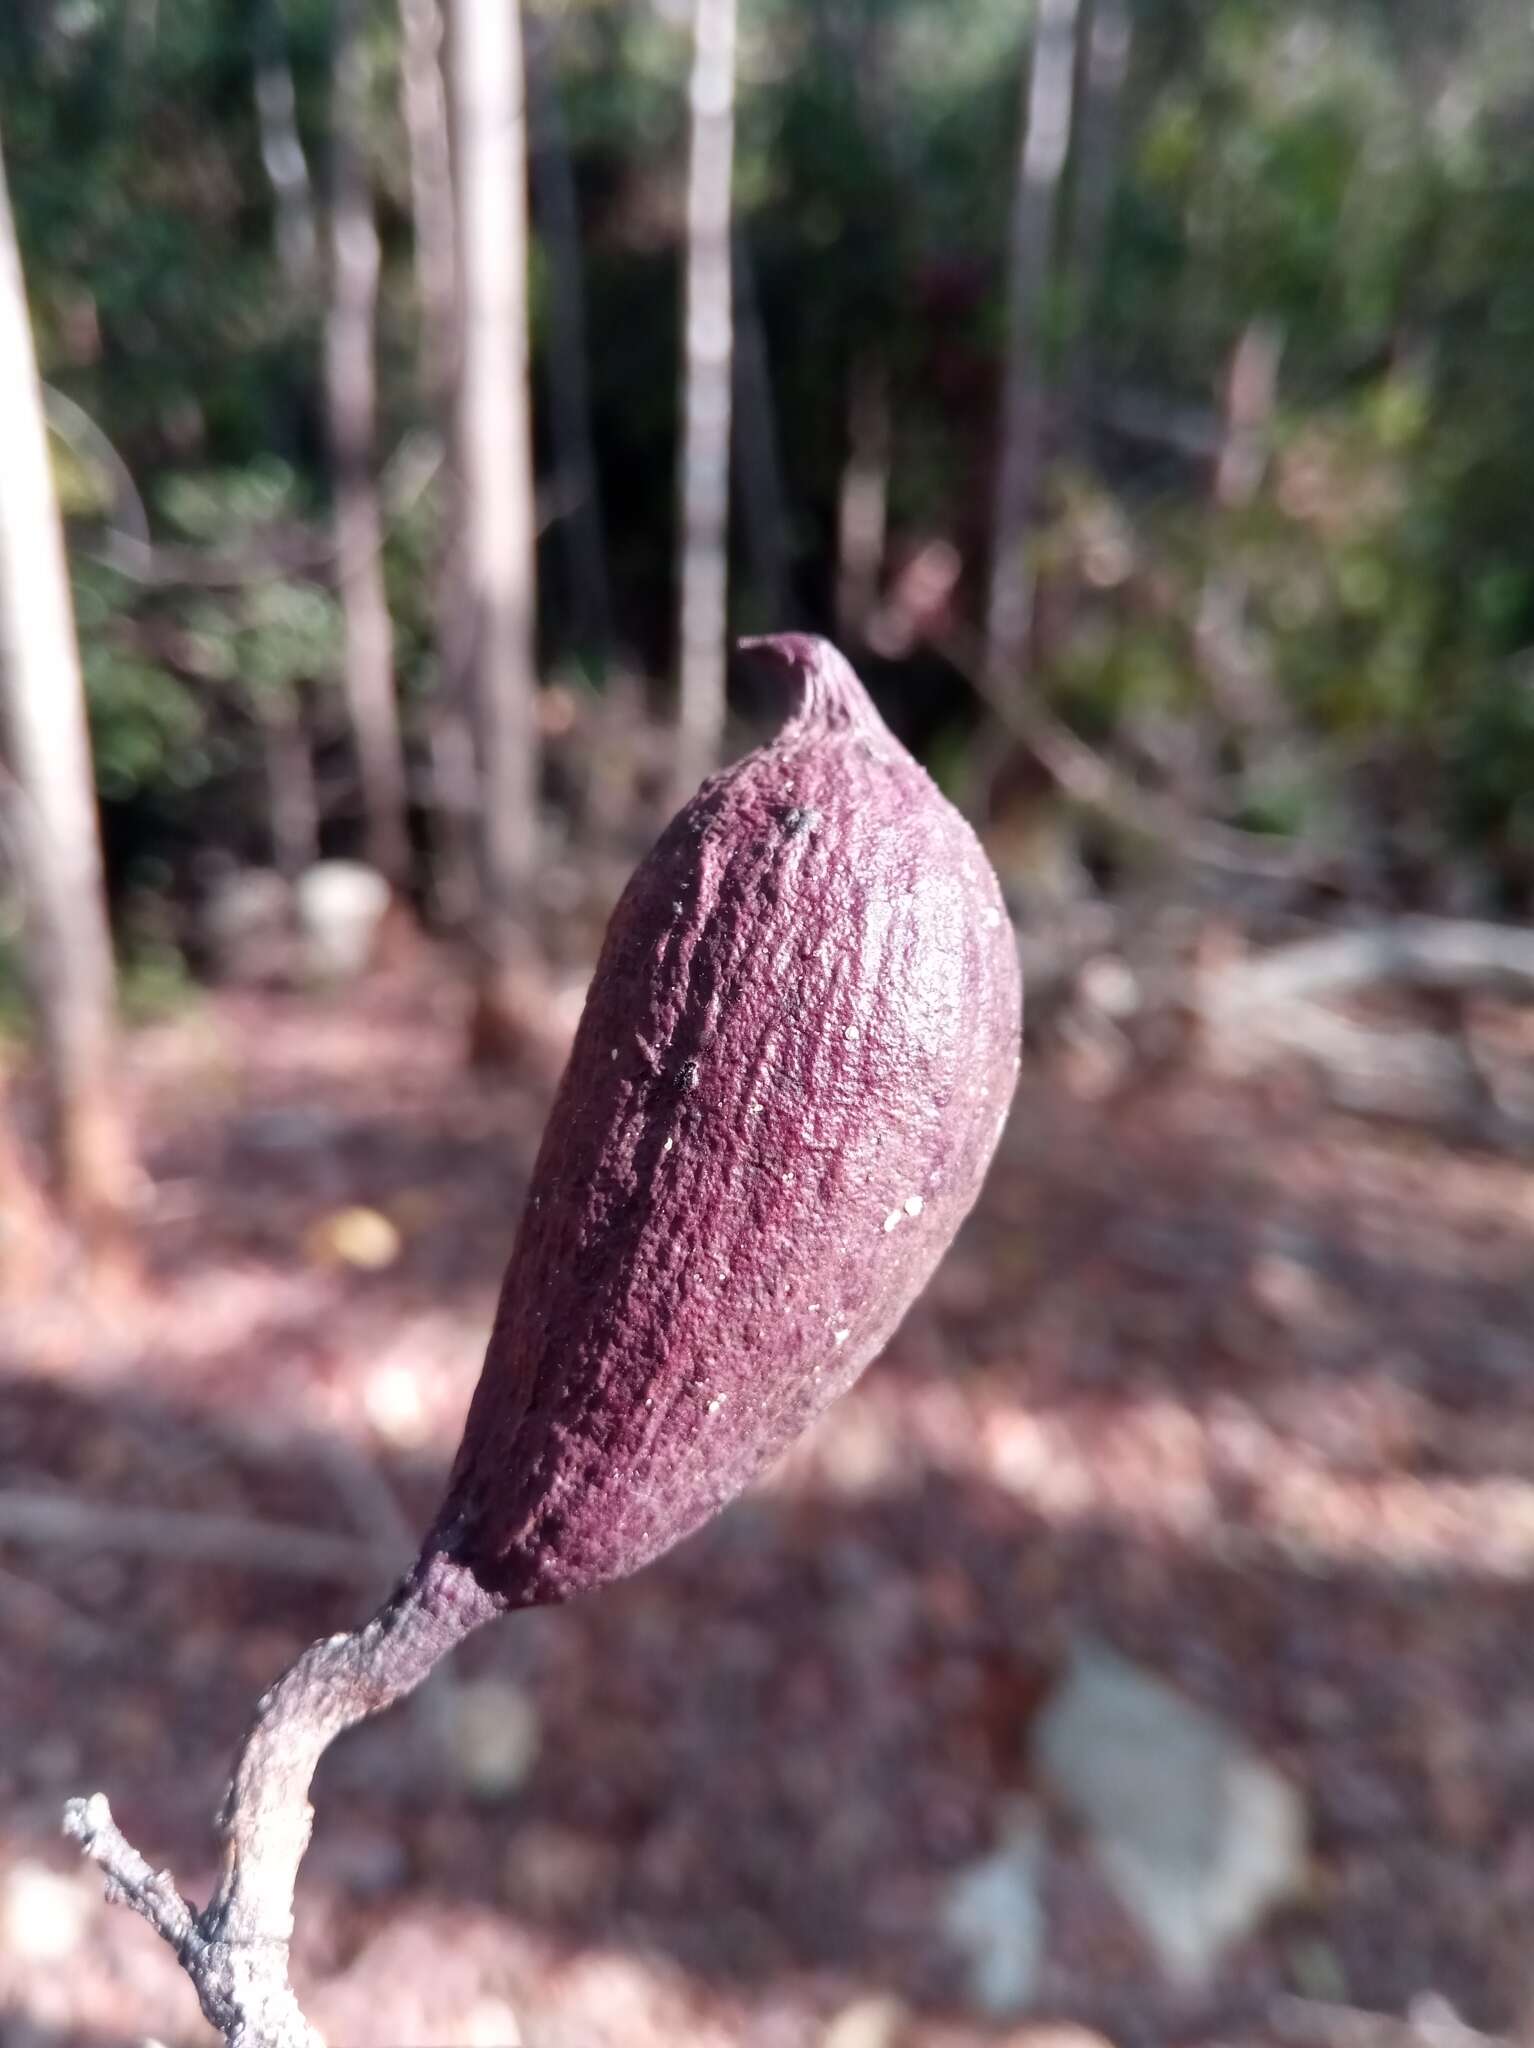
[[796, 1057], [795, 1060]]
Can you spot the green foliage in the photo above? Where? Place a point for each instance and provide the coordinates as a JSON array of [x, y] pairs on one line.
[[1354, 175]]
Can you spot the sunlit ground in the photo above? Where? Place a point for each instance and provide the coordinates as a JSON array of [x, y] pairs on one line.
[[1238, 1386]]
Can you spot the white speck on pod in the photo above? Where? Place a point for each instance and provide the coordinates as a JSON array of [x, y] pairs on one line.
[[892, 1219], [840, 1336], [914, 1205]]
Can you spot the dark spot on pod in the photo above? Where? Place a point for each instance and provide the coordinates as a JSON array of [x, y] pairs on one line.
[[796, 821], [687, 1075]]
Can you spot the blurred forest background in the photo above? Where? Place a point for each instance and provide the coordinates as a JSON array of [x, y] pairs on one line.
[[1138, 391]]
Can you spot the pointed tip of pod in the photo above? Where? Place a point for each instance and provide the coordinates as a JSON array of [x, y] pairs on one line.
[[831, 698]]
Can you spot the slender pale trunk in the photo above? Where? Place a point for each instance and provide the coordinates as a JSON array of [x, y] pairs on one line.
[[704, 488], [1045, 145], [26, 1231], [1109, 33], [1239, 677], [862, 513], [856, 43], [763, 514], [495, 448], [282, 154], [53, 809], [449, 718], [575, 466], [435, 250], [351, 400], [291, 795]]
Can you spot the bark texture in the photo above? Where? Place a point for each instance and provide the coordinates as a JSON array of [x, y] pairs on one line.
[[423, 102], [51, 798], [863, 502], [569, 384], [1045, 146], [763, 503], [1109, 38], [495, 458], [351, 403], [282, 155], [706, 375], [449, 720]]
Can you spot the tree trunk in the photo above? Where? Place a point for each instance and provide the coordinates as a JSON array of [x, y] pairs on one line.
[[575, 466], [46, 739], [291, 796], [435, 248], [1045, 146], [292, 800], [763, 514], [705, 464], [27, 1235], [455, 790], [863, 505], [282, 155], [1239, 676], [1109, 32], [495, 450], [350, 384]]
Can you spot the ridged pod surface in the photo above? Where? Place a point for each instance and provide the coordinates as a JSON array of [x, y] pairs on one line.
[[795, 1060]]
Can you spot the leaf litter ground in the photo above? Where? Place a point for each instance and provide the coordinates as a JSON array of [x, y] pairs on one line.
[[1243, 1388]]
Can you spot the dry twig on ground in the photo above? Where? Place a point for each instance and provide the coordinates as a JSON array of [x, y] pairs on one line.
[[55, 1520], [235, 1951], [1276, 1004]]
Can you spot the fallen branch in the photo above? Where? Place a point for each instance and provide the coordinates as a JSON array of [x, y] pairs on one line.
[[1408, 1073], [235, 1951], [272, 553], [1096, 784], [1274, 1004], [59, 1521], [1425, 952], [1429, 2024]]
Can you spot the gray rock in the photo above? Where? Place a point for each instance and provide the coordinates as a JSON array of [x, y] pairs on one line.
[[489, 1730], [1198, 1836], [341, 905], [993, 1918], [246, 926], [872, 2022]]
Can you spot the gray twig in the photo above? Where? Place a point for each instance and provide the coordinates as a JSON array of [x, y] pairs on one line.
[[235, 1951]]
